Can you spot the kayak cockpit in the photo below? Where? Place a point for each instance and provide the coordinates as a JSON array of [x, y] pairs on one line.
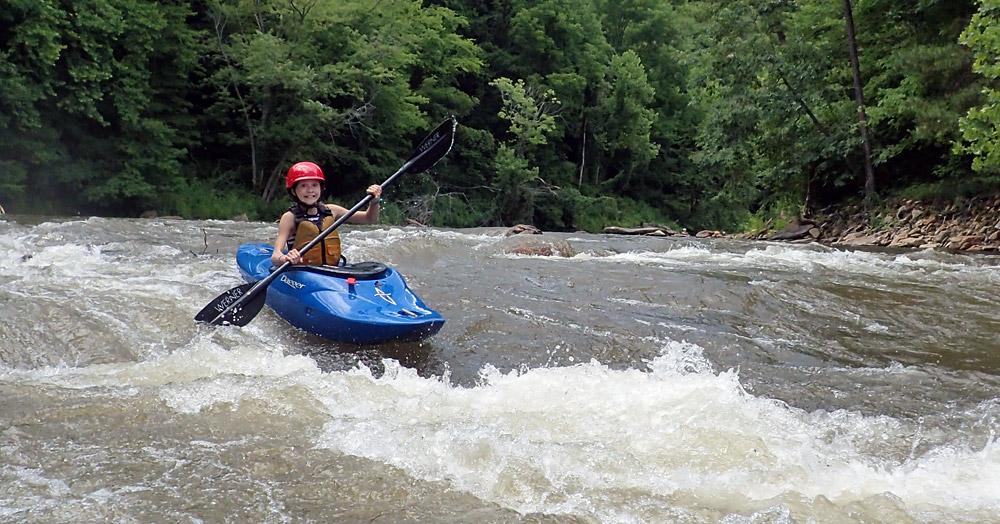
[[359, 271]]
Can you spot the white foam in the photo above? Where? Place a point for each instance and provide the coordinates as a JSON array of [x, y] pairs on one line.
[[574, 439], [582, 440]]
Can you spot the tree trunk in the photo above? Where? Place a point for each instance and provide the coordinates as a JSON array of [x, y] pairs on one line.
[[583, 152], [859, 98]]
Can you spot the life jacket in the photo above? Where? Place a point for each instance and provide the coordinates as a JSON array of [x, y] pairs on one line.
[[308, 227]]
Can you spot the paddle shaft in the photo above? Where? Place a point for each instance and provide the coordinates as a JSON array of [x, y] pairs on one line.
[[262, 284]]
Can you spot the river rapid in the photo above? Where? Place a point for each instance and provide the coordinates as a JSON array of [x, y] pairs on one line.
[[638, 380]]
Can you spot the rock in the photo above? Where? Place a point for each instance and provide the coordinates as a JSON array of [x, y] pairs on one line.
[[149, 214], [647, 230], [966, 239], [793, 230], [969, 241], [523, 229], [925, 222], [859, 239], [541, 248], [414, 223], [906, 242], [971, 225], [240, 218]]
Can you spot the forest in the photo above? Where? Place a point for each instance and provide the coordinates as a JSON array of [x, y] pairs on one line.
[[573, 114]]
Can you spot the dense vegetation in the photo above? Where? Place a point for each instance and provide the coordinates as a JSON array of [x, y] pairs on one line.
[[574, 114]]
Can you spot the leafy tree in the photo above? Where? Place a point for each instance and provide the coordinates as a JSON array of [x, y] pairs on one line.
[[919, 83], [345, 83], [781, 71], [626, 120], [530, 113], [765, 125], [981, 126], [92, 100], [650, 29]]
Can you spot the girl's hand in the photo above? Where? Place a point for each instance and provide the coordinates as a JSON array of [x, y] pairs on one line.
[[375, 190], [292, 256]]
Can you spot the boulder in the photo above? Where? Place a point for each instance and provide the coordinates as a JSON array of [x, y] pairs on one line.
[[794, 230], [523, 229], [646, 230], [905, 241], [859, 239], [541, 248]]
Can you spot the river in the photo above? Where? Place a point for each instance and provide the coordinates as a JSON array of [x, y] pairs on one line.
[[637, 380]]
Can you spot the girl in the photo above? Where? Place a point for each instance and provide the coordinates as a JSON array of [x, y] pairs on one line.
[[309, 216]]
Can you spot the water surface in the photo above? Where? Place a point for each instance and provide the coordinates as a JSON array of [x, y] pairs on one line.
[[637, 380]]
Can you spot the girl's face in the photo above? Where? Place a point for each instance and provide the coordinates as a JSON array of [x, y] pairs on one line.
[[308, 191]]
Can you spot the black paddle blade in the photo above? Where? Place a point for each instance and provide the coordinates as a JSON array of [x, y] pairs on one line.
[[435, 146], [231, 308]]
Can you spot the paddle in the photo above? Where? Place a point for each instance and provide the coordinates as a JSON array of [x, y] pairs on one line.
[[240, 305]]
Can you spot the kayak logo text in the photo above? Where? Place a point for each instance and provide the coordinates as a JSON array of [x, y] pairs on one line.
[[384, 296], [293, 284]]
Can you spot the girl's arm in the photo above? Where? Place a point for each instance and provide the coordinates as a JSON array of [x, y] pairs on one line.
[[285, 226], [368, 216]]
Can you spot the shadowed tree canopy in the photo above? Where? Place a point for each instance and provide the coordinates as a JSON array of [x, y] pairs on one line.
[[574, 114]]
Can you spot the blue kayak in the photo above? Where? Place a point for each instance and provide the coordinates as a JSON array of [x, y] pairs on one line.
[[364, 303]]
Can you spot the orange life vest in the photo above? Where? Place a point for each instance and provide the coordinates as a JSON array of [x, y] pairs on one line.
[[308, 227]]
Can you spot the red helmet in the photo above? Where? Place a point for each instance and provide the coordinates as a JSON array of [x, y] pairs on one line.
[[303, 171]]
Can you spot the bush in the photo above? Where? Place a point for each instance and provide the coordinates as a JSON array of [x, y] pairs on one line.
[[567, 209], [198, 199], [457, 211]]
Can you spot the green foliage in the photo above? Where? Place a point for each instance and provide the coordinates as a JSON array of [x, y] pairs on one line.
[[575, 114], [948, 189], [981, 126], [197, 199], [592, 214], [92, 99], [776, 93], [625, 121], [528, 111], [455, 210], [345, 84], [773, 217]]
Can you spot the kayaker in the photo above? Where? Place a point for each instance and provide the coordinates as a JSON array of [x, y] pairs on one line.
[[308, 216]]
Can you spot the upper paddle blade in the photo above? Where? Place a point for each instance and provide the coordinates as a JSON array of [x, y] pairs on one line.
[[231, 308], [434, 146]]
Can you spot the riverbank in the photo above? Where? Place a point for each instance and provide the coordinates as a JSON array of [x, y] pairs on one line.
[[969, 225]]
